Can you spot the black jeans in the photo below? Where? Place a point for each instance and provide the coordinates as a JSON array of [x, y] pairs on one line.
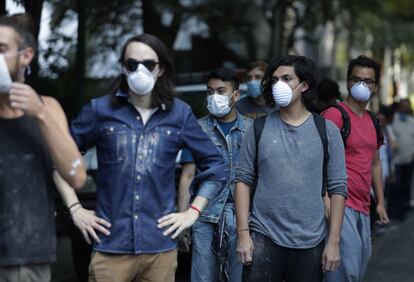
[[275, 263]]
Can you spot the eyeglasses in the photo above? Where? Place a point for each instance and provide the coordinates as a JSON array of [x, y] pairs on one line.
[[131, 65], [356, 79]]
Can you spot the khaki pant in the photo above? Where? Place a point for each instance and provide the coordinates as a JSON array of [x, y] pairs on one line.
[[25, 273], [107, 267]]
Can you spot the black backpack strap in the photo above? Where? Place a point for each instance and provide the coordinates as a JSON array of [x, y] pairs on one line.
[[346, 123], [378, 128], [258, 125], [320, 124]]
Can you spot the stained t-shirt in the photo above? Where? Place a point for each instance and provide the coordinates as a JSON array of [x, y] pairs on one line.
[[287, 205]]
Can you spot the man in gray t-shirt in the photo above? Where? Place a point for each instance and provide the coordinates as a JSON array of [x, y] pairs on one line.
[[284, 240]]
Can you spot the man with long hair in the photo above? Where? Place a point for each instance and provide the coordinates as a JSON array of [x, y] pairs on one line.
[[138, 130]]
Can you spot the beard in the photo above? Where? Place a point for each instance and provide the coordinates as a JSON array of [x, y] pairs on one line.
[[15, 73]]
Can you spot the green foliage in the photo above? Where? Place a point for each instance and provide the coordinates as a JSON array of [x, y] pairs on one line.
[[105, 26], [368, 24]]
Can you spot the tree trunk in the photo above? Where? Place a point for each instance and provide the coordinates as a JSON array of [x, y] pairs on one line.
[[2, 7], [34, 8], [393, 76], [351, 41], [152, 22], [332, 68], [277, 25], [80, 55]]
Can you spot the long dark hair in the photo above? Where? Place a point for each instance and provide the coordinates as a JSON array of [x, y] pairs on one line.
[[164, 89], [304, 68]]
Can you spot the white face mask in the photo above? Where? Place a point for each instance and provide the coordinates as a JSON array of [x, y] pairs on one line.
[[141, 82], [218, 105], [282, 93], [5, 78], [360, 92]]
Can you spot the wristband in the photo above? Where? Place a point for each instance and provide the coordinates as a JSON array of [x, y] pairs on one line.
[[196, 209], [242, 230], [72, 213], [72, 205]]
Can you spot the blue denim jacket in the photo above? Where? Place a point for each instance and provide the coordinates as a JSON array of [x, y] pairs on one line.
[[136, 167], [228, 147]]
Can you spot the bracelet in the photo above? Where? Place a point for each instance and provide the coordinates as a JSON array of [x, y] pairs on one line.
[[72, 205], [196, 209], [72, 213], [242, 230]]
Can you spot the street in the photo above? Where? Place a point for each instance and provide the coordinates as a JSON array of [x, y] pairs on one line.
[[392, 254], [392, 259]]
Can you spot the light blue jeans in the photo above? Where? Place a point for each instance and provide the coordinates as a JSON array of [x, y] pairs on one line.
[[355, 248], [204, 266]]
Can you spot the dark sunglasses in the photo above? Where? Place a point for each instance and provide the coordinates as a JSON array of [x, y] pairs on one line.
[[131, 65]]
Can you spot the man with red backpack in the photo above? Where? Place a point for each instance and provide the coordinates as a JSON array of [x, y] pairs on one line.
[[362, 139]]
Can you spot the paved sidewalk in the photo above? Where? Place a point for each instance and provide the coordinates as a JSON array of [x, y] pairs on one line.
[[393, 254], [392, 260]]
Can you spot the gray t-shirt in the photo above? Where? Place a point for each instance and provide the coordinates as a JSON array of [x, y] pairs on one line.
[[288, 207]]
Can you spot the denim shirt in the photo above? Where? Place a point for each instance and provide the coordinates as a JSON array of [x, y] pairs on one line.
[[136, 168], [228, 147]]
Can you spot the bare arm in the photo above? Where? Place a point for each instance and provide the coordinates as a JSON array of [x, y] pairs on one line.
[[85, 220], [378, 189], [244, 244], [67, 193], [53, 125], [65, 154], [187, 176], [331, 256]]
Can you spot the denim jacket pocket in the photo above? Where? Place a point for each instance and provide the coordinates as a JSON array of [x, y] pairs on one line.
[[165, 145], [113, 147]]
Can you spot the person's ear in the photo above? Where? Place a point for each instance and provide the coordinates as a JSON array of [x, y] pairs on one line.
[[26, 56], [304, 86], [160, 71], [375, 88], [236, 95]]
